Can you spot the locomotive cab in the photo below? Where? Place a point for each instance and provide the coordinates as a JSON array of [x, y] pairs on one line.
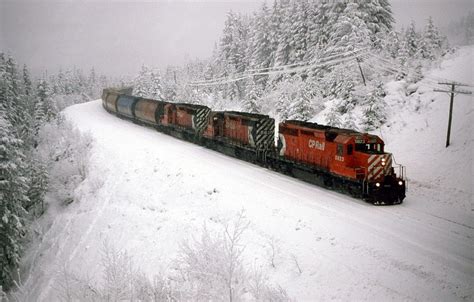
[[381, 185]]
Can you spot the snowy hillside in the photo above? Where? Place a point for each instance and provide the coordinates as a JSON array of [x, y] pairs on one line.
[[145, 193]]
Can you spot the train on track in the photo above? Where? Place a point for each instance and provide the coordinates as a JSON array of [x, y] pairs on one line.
[[340, 159]]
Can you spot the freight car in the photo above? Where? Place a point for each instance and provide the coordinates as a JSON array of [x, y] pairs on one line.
[[341, 159]]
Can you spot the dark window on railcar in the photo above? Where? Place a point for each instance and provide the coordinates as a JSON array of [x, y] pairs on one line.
[[349, 149], [369, 148], [340, 149], [360, 147]]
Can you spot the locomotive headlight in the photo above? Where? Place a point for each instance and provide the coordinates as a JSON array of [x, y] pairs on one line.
[[377, 184], [400, 182], [383, 163]]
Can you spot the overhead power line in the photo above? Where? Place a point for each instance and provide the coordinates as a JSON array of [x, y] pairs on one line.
[[317, 63]]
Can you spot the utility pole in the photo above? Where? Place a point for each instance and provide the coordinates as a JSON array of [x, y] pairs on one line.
[[453, 91], [360, 68]]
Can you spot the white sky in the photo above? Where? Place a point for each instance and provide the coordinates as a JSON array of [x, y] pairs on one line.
[[116, 37]]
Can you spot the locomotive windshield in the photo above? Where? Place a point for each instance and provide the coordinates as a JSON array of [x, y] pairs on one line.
[[369, 148]]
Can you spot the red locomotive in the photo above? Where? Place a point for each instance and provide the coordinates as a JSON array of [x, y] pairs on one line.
[[342, 159]]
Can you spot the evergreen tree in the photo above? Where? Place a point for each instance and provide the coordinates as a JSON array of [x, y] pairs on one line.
[[350, 31], [140, 86], [348, 121], [38, 175], [378, 16], [16, 103], [392, 44], [260, 46], [156, 88], [412, 39], [3, 81], [282, 56], [299, 31], [28, 86], [403, 57], [13, 196], [430, 44], [339, 82], [333, 117], [45, 110], [233, 52], [251, 103], [375, 112]]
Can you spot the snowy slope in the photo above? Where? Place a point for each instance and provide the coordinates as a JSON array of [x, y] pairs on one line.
[[146, 192], [418, 137]]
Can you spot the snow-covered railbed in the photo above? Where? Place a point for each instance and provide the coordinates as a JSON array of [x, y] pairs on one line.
[[147, 192]]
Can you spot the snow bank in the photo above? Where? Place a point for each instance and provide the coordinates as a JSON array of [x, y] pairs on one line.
[[417, 135], [147, 192]]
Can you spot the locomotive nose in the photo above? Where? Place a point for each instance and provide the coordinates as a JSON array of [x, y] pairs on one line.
[[378, 166]]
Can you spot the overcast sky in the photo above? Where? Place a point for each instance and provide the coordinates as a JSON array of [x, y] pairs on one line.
[[116, 37]]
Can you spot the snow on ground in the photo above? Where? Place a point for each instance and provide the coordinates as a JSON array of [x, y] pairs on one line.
[[442, 176], [146, 192]]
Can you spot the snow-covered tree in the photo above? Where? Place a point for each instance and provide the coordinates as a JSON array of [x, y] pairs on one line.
[[412, 39], [339, 82], [375, 113], [27, 84], [140, 86], [38, 179], [45, 109], [378, 16], [294, 98], [251, 102], [350, 31], [333, 117], [260, 47], [403, 54], [148, 83], [156, 88], [13, 196], [430, 44]]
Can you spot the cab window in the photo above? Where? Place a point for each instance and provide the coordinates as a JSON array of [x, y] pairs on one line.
[[369, 148], [349, 149], [340, 149]]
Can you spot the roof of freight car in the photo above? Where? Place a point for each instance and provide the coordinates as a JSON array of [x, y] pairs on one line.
[[152, 100], [193, 106], [317, 126], [246, 114]]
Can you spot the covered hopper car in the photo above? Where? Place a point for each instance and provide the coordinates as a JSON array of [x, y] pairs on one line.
[[341, 159]]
